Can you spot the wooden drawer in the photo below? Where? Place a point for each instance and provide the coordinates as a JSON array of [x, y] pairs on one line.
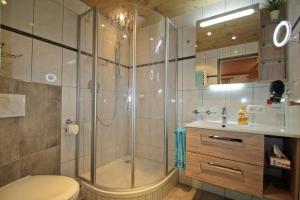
[[243, 147], [234, 175]]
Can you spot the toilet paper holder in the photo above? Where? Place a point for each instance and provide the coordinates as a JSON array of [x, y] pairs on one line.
[[68, 121]]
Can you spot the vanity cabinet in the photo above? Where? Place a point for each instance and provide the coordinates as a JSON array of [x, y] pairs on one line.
[[241, 147], [230, 160], [238, 161]]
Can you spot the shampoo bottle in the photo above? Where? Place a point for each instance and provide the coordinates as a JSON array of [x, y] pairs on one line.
[[242, 118]]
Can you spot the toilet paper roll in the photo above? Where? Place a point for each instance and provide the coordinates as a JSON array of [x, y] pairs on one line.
[[72, 129]]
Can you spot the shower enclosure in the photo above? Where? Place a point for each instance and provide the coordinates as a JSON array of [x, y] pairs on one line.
[[126, 98]]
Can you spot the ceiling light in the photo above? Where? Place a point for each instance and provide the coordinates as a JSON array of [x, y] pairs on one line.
[[124, 36], [102, 25], [208, 33], [233, 37], [151, 39], [228, 17]]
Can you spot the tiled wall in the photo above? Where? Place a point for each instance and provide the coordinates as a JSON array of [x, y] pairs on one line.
[[30, 145], [191, 97], [208, 98], [46, 40], [293, 113]]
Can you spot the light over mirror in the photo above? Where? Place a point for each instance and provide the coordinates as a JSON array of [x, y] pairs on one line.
[[236, 47]]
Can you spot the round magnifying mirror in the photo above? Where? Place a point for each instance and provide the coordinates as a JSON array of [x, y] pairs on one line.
[[282, 33]]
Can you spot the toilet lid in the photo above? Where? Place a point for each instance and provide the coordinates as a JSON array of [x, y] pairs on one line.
[[41, 188]]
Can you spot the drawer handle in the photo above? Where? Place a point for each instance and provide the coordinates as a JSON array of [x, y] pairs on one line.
[[233, 170], [215, 137]]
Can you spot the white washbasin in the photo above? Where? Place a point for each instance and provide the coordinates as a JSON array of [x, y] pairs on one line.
[[251, 128]]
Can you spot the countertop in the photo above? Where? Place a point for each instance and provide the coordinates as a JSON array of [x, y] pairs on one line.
[[251, 128]]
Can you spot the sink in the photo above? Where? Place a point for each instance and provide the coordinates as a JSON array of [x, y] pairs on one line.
[[251, 128]]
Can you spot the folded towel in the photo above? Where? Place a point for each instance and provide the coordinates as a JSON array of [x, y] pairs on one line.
[[179, 153]]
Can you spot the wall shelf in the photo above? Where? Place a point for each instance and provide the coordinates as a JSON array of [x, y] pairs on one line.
[[276, 191], [281, 183]]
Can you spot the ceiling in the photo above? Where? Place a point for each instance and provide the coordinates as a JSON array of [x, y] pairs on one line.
[[168, 8]]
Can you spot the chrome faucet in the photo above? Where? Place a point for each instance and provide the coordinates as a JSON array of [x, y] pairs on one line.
[[224, 117]]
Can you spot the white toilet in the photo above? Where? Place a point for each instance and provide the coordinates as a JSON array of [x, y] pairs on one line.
[[41, 188]]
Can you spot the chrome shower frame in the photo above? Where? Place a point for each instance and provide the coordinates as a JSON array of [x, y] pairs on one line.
[[94, 55]]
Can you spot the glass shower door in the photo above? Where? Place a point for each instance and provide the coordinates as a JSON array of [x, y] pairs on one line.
[[84, 96], [171, 101], [126, 102], [149, 120], [113, 165]]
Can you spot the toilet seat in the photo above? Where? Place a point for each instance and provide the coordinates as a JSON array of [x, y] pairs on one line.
[[41, 188]]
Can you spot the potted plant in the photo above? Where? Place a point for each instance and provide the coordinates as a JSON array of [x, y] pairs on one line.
[[273, 7]]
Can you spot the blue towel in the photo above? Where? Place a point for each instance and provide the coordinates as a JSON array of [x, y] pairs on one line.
[[179, 153]]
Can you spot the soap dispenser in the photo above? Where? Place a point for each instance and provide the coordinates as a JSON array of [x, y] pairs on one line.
[[242, 118]]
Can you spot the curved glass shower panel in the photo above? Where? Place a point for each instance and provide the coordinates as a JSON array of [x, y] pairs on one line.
[[150, 77], [124, 99], [172, 91], [113, 166], [84, 95]]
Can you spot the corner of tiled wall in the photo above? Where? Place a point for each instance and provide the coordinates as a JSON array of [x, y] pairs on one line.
[[191, 97], [55, 22], [293, 112]]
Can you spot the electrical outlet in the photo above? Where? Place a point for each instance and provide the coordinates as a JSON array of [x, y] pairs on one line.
[[256, 108]]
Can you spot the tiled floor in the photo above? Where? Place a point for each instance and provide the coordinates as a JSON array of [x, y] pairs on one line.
[[182, 192], [117, 174]]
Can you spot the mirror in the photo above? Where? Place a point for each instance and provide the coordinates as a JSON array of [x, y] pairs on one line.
[[240, 69], [227, 47], [282, 34]]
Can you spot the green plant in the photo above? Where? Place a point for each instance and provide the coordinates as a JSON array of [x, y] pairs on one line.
[[274, 4]]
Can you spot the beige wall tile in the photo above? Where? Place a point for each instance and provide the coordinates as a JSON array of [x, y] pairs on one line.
[[76, 6], [70, 28], [18, 14], [46, 63], [18, 67], [69, 68], [68, 168], [236, 4], [216, 8], [48, 20], [188, 74], [188, 41]]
